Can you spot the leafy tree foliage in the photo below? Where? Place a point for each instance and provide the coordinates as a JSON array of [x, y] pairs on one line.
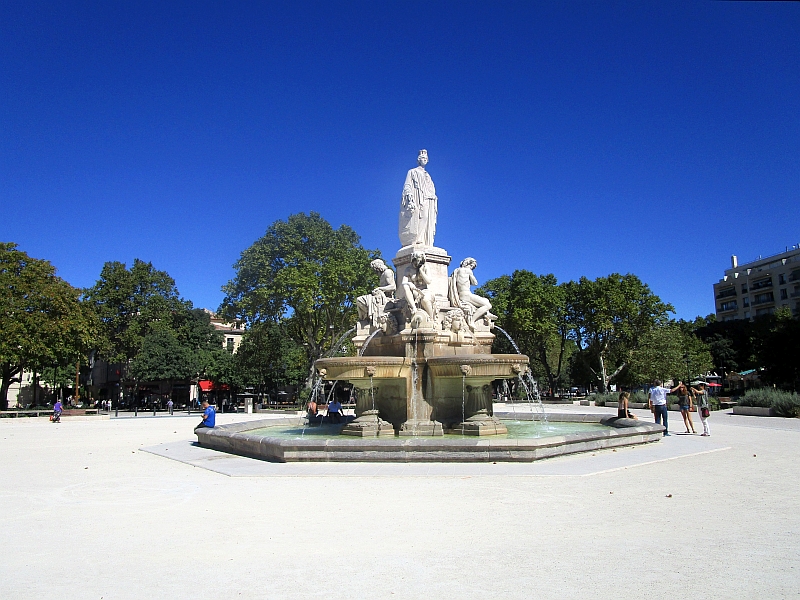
[[532, 308], [305, 275], [663, 352], [779, 350], [132, 303], [608, 317], [267, 358], [42, 322], [186, 347]]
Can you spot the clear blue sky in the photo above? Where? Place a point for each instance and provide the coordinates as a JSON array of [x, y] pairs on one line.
[[566, 137]]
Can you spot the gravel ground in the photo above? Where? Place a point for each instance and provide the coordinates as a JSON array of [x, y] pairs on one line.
[[86, 513]]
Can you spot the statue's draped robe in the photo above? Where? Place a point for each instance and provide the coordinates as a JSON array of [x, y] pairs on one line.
[[418, 209]]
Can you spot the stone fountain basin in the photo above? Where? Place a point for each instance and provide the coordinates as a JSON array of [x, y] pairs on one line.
[[235, 439], [355, 368], [480, 366], [483, 366]]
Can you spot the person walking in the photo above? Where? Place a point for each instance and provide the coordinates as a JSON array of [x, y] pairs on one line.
[[703, 406], [170, 405], [685, 404], [658, 403]]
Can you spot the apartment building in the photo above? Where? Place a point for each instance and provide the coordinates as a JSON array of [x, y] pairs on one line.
[[759, 287]]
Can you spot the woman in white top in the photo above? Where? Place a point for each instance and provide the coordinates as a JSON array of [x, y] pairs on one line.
[[703, 407]]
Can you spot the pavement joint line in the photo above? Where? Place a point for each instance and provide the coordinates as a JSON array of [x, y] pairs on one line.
[[651, 462]]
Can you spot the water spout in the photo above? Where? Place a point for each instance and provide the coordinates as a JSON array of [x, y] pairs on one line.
[[338, 343], [532, 392], [368, 340]]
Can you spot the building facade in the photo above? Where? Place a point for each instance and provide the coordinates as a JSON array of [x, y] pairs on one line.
[[759, 287]]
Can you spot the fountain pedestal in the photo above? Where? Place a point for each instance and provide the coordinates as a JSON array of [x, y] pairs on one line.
[[369, 424], [481, 423]]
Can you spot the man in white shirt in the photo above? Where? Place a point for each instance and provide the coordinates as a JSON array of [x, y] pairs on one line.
[[658, 402]]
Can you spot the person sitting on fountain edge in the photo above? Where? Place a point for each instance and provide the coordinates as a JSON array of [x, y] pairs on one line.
[[335, 411], [209, 416]]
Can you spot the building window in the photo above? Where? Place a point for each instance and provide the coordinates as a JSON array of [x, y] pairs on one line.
[[763, 298], [745, 301], [781, 279], [747, 314], [725, 306], [229, 345], [744, 288], [761, 283], [784, 295]]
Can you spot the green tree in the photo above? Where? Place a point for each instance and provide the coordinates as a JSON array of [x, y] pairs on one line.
[[607, 317], [185, 347], [305, 275], [132, 303], [268, 359], [532, 308], [779, 350], [663, 351], [42, 322]]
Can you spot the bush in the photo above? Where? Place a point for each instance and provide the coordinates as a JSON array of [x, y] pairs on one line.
[[763, 397], [788, 406], [785, 404]]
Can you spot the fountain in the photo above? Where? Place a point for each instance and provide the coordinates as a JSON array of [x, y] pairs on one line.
[[424, 368]]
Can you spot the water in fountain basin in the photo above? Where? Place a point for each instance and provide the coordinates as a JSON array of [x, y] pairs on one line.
[[516, 430]]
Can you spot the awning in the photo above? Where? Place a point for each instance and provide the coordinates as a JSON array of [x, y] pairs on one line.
[[207, 385], [711, 384]]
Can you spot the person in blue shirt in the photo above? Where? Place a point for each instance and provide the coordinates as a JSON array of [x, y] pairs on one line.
[[209, 416], [57, 410]]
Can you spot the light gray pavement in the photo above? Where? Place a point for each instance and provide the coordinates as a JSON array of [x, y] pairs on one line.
[[128, 508]]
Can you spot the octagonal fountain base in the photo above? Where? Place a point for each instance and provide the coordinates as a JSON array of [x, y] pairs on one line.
[[245, 440]]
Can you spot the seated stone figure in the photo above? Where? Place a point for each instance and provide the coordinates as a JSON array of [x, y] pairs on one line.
[[460, 294], [418, 297], [372, 306]]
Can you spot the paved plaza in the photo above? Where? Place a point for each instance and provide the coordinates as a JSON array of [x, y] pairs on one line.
[[129, 508]]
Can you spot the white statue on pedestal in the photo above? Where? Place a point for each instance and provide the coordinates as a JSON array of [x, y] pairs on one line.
[[371, 306], [415, 290], [419, 206], [460, 293]]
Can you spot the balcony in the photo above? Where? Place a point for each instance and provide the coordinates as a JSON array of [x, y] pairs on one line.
[[760, 285], [767, 298], [728, 306], [727, 293]]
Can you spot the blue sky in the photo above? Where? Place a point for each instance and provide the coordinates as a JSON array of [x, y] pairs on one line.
[[566, 137]]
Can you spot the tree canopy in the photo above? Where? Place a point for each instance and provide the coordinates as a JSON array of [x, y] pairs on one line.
[[43, 323], [608, 317], [305, 275], [532, 308], [132, 303]]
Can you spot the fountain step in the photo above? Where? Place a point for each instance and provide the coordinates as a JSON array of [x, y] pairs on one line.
[[488, 426], [368, 430], [421, 428]]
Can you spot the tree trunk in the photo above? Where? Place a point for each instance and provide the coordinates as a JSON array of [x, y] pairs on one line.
[[603, 375], [4, 385]]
